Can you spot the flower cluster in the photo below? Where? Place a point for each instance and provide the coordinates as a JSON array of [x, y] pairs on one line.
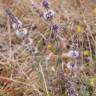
[[48, 15], [16, 24], [74, 42], [20, 31], [54, 28], [70, 88], [73, 53], [71, 66], [27, 42], [45, 3]]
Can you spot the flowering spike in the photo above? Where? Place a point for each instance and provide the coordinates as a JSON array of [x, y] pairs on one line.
[[16, 23]]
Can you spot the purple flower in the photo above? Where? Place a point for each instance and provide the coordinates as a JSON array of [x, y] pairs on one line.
[[72, 66], [49, 14], [74, 45], [74, 54], [88, 60], [14, 20], [45, 3], [54, 27], [27, 42]]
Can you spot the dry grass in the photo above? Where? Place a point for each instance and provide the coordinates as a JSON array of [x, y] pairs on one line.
[[38, 63]]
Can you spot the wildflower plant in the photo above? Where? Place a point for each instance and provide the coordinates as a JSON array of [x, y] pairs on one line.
[[16, 24], [52, 52]]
